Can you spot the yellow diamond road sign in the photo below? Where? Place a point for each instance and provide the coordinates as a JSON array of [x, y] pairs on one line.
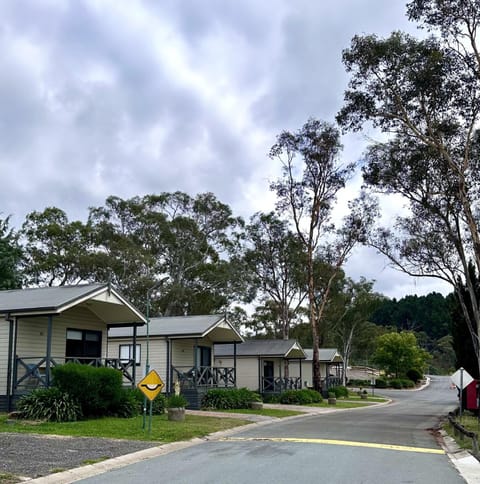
[[151, 385]]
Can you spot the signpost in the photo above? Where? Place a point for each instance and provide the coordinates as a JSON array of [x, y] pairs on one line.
[[151, 385], [461, 378]]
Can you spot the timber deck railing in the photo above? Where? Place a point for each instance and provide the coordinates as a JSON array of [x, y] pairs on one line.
[[204, 376], [280, 384], [31, 372]]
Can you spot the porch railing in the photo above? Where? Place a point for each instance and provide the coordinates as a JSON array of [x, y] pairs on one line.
[[204, 376], [280, 384], [31, 372]]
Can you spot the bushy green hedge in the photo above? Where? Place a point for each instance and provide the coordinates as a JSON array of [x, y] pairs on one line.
[[98, 390], [300, 397], [340, 391], [226, 398], [49, 404], [158, 405], [381, 383], [414, 375], [358, 383]]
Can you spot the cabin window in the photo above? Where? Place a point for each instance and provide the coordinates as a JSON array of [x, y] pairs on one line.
[[126, 353], [83, 343], [204, 356]]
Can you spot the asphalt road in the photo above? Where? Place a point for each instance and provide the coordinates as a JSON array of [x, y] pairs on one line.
[[392, 444]]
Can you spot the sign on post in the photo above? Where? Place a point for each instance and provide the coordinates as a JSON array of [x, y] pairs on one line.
[[151, 385], [461, 378]]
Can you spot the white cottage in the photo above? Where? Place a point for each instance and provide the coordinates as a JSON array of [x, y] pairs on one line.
[[44, 327], [261, 364], [179, 348]]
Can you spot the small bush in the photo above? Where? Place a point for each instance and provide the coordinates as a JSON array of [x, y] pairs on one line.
[[406, 383], [380, 383], [300, 397], [414, 375], [340, 391], [176, 401], [98, 390], [229, 398], [358, 383], [396, 383], [158, 405], [271, 398], [49, 404]]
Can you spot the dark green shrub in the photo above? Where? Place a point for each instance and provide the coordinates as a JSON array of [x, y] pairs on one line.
[[98, 390], [226, 398], [358, 383], [406, 383], [176, 401], [414, 375], [158, 405], [271, 398], [380, 383], [396, 383], [300, 397], [340, 391], [49, 404]]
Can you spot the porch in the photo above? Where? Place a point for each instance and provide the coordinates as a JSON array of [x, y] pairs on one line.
[[204, 376], [280, 384], [35, 372]]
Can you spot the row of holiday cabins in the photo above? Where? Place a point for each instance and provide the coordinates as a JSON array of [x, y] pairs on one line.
[[94, 324]]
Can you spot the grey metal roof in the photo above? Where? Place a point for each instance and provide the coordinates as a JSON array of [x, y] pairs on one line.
[[263, 347], [44, 298], [179, 327], [324, 354], [55, 300]]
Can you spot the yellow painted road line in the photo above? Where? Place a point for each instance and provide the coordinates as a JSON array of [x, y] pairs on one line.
[[402, 448]]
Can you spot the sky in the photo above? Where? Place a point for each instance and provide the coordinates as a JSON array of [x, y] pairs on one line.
[[126, 98]]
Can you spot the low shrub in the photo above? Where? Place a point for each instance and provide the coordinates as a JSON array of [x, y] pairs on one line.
[[414, 375], [176, 401], [227, 398], [158, 405], [49, 404], [380, 383], [271, 398], [98, 390], [300, 397], [406, 383], [358, 383], [340, 391], [396, 383]]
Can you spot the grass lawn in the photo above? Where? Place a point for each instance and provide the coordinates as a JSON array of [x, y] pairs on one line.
[[163, 431], [471, 423]]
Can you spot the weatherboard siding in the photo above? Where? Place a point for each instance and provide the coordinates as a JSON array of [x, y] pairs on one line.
[[32, 332], [247, 370], [4, 331], [157, 355]]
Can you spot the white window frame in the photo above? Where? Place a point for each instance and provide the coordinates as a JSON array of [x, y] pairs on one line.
[[124, 358]]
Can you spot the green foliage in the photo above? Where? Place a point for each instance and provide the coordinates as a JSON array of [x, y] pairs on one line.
[[414, 375], [98, 390], [352, 382], [300, 397], [158, 405], [49, 404], [176, 401], [340, 391], [380, 383], [10, 256], [397, 353], [396, 383], [229, 398]]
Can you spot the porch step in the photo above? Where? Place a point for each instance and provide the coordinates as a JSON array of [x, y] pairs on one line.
[[194, 397]]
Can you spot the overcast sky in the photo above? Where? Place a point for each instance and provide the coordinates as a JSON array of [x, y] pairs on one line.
[[125, 98]]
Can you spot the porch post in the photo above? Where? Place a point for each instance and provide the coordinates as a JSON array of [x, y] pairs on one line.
[[195, 357], [260, 376], [300, 365], [9, 362], [49, 349], [282, 383], [167, 383], [235, 364], [134, 369]]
